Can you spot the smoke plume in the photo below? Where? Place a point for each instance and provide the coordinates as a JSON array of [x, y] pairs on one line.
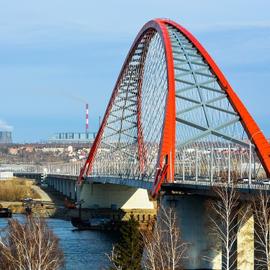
[[4, 126]]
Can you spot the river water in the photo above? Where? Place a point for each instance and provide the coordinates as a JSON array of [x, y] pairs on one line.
[[84, 250]]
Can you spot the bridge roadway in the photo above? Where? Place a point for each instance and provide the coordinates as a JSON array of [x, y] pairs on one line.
[[195, 187]]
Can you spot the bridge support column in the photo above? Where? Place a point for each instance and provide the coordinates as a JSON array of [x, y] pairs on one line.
[[73, 190], [48, 180], [67, 188], [53, 183], [62, 186], [245, 245], [60, 182], [57, 185], [205, 251], [193, 224], [259, 256]]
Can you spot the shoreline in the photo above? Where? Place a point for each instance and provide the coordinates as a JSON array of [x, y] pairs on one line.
[[51, 204]]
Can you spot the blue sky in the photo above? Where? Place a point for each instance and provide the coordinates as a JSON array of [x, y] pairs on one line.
[[53, 51]]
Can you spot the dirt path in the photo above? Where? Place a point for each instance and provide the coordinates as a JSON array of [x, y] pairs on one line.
[[43, 195]]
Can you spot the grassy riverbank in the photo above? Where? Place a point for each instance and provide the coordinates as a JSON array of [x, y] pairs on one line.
[[13, 190]]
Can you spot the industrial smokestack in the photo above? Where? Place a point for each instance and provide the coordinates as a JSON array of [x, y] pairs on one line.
[[87, 118]]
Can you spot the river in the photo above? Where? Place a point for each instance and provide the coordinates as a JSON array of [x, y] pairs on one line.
[[84, 250]]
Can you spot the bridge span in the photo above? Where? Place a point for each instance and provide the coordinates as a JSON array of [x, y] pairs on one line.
[[175, 127]]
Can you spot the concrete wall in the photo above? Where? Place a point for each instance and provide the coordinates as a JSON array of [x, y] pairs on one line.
[[119, 196]]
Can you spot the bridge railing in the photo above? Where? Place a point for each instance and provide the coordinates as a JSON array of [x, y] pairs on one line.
[[255, 185], [22, 168], [197, 165], [215, 165], [60, 168], [119, 169]]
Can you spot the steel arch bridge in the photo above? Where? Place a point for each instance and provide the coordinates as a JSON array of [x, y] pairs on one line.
[[173, 116]]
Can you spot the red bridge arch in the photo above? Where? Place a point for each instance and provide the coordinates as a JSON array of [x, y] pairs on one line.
[[169, 32]]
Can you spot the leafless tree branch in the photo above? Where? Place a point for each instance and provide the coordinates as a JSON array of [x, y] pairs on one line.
[[30, 246], [227, 215], [261, 209], [164, 248]]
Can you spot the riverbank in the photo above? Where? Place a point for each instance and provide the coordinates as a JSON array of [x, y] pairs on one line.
[[51, 204], [14, 192], [16, 189]]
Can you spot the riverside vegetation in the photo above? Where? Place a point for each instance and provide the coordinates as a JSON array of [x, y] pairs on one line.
[[16, 190], [160, 248], [30, 245]]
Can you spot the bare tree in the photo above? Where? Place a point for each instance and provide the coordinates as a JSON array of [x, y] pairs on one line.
[[261, 210], [163, 247], [30, 246], [227, 215], [113, 260]]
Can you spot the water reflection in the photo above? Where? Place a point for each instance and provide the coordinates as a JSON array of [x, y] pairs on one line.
[[84, 250]]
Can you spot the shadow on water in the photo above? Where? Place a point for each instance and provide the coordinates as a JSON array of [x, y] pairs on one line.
[[84, 250]]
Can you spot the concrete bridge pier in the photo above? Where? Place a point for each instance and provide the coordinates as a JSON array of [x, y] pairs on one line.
[[52, 182], [73, 190], [64, 188], [205, 250], [60, 185], [66, 185], [194, 228], [259, 245], [57, 185]]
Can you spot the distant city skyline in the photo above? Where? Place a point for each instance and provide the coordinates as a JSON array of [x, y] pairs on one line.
[[55, 56]]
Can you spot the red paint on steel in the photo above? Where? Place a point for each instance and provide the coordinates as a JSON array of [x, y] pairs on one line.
[[167, 148], [166, 157], [160, 176], [86, 170], [255, 134]]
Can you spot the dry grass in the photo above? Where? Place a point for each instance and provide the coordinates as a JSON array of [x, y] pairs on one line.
[[16, 190]]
